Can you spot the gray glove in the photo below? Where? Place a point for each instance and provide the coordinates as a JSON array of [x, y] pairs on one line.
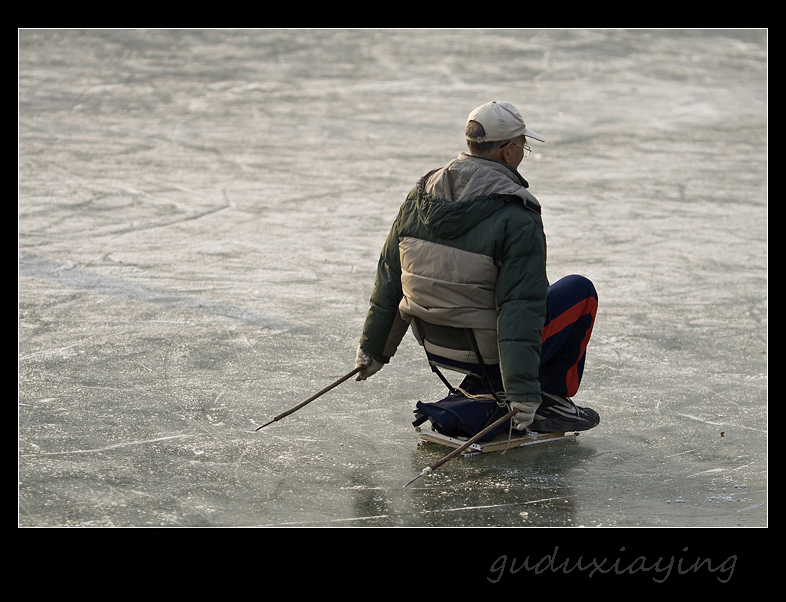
[[525, 415], [372, 366]]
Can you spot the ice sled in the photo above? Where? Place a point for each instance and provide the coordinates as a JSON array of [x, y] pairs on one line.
[[500, 443]]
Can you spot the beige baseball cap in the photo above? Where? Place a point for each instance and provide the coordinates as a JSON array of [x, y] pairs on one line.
[[501, 121]]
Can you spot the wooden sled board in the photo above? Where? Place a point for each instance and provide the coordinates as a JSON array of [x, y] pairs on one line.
[[498, 444]]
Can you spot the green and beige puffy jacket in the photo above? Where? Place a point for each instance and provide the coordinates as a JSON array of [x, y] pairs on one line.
[[467, 249]]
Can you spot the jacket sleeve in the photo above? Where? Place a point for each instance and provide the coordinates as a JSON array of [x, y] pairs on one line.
[[384, 328], [522, 290]]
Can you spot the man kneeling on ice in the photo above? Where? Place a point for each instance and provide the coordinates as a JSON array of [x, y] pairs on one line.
[[468, 250]]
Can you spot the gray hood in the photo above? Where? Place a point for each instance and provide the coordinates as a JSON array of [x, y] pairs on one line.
[[467, 190], [468, 177]]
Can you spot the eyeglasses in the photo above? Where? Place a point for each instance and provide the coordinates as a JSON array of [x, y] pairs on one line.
[[527, 150]]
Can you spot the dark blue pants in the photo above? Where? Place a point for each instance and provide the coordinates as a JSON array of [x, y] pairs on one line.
[[570, 316]]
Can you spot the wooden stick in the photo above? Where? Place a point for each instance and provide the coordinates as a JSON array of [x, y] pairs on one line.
[[313, 397], [458, 450]]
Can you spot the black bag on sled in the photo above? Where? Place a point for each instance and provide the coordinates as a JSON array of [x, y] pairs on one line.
[[460, 416]]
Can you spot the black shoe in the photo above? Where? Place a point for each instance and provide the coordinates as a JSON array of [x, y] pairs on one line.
[[558, 414]]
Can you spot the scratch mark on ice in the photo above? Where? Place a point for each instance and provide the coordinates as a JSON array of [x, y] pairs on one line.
[[750, 428], [108, 447]]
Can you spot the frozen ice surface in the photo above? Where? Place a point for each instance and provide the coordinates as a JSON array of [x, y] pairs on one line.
[[199, 218]]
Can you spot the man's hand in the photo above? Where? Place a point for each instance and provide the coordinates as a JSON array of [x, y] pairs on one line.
[[372, 366], [525, 415]]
